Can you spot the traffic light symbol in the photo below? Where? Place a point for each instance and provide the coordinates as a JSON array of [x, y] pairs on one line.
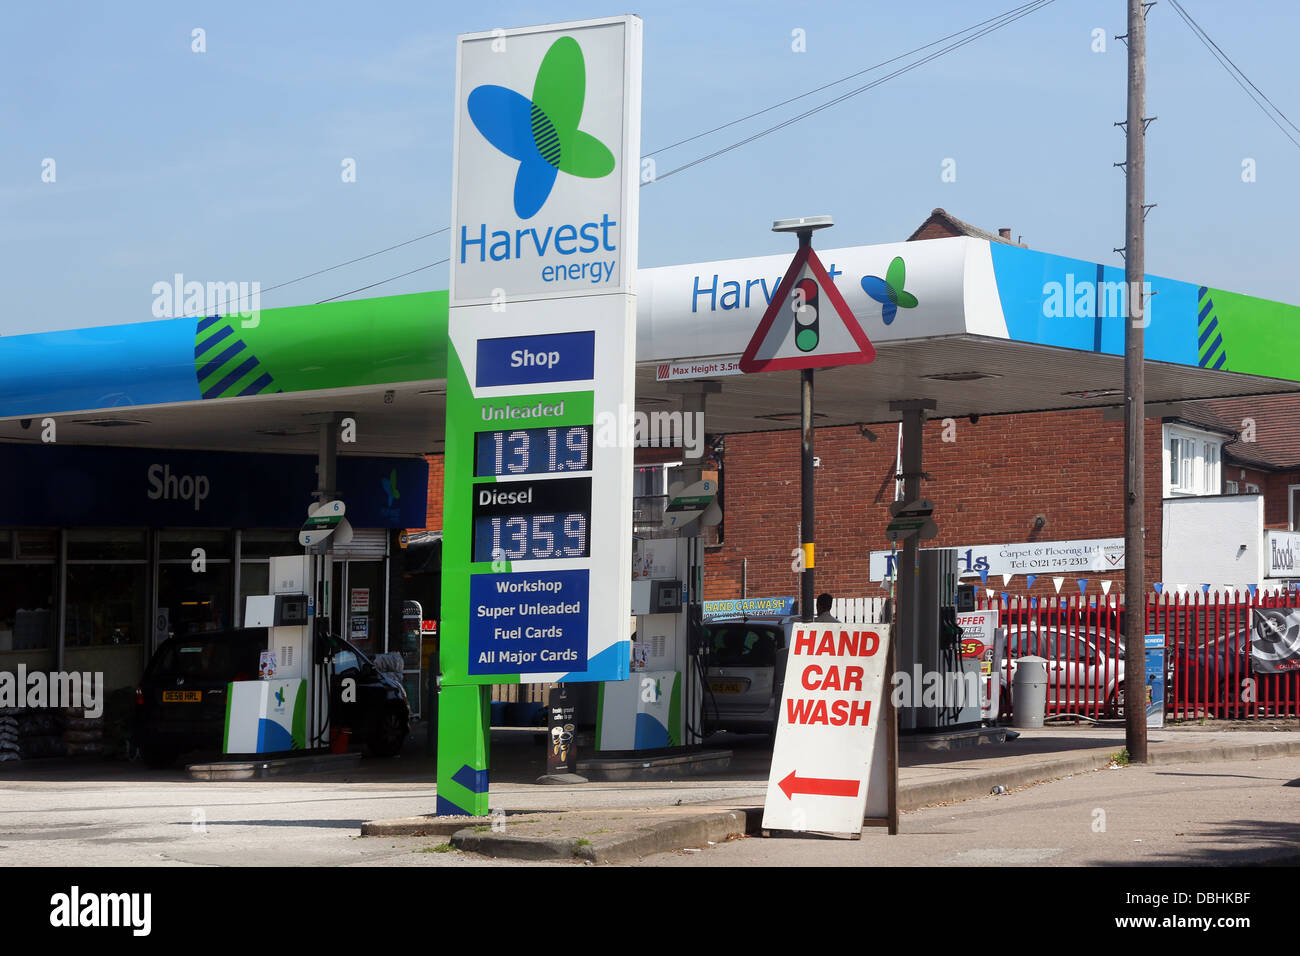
[[804, 303]]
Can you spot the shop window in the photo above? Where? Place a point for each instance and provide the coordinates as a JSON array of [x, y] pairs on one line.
[[195, 596], [256, 548], [108, 544], [269, 544], [34, 544], [107, 605], [195, 601], [27, 608], [254, 578], [180, 545]]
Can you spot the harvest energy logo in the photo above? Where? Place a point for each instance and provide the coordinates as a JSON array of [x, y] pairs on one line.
[[889, 290], [542, 133], [391, 511]]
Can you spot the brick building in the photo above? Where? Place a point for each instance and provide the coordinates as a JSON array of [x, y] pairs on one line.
[[1045, 476], [1032, 477]]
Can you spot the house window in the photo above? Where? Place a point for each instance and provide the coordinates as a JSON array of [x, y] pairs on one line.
[[1193, 463], [1252, 489], [1230, 487]]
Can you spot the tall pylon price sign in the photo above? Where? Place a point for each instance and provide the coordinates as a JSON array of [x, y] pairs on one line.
[[537, 496]]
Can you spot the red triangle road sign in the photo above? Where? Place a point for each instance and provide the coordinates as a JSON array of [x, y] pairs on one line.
[[817, 330]]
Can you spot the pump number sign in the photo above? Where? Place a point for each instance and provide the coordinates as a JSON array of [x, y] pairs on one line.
[[829, 750]]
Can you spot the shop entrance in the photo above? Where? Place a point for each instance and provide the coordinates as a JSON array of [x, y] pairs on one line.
[[359, 593]]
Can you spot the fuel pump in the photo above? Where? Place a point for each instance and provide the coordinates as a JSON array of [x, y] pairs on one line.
[[943, 683], [287, 708], [660, 705], [648, 711]]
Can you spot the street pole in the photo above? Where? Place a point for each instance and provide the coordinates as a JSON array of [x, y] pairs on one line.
[[807, 481], [807, 497], [803, 228], [1134, 418]]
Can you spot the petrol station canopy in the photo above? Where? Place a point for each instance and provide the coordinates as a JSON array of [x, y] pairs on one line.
[[980, 327]]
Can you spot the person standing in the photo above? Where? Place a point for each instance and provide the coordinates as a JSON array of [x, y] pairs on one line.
[[824, 615]]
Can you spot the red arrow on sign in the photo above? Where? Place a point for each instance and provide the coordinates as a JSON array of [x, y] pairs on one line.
[[822, 786]]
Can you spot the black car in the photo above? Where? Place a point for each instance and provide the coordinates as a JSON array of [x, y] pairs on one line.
[[180, 705], [1220, 677]]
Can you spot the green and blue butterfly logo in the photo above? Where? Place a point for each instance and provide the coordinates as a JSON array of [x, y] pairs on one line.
[[542, 132], [390, 487], [391, 512], [889, 290]]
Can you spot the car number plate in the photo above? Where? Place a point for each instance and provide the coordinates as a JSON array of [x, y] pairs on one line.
[[184, 696], [726, 687]]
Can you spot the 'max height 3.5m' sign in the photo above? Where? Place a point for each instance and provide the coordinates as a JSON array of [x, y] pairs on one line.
[[537, 528]]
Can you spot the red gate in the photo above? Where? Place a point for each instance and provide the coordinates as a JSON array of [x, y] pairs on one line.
[[1207, 653]]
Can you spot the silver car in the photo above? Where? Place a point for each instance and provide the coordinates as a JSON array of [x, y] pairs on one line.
[[1085, 670], [744, 675]]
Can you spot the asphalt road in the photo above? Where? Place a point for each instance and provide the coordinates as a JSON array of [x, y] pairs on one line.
[[1232, 813], [124, 815], [1237, 812]]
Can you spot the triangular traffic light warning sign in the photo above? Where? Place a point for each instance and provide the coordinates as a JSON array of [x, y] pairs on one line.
[[816, 327]]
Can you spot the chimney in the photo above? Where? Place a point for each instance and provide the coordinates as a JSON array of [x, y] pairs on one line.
[[1005, 233]]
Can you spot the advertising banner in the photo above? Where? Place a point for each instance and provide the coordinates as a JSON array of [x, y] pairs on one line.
[[982, 640], [1155, 680], [561, 719], [1282, 552], [1032, 557], [1275, 640], [753, 607]]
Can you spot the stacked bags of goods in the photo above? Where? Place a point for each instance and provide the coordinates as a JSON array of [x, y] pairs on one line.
[[40, 733], [9, 734]]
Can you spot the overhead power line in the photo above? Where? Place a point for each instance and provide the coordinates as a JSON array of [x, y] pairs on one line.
[[969, 35], [827, 86], [1236, 73], [318, 272], [1001, 22], [382, 282]]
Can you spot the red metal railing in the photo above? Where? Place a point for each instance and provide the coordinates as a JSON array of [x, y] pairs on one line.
[[1207, 652]]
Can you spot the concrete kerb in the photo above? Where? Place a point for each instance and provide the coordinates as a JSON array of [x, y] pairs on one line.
[[695, 830], [718, 821]]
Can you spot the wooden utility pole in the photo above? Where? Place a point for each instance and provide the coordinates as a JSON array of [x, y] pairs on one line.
[[1135, 711]]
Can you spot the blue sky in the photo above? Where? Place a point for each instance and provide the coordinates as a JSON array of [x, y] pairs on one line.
[[225, 165]]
